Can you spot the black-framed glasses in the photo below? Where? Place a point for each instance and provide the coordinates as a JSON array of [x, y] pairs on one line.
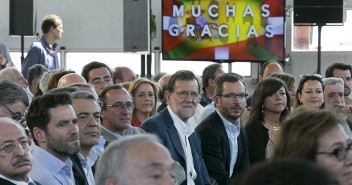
[[233, 96], [119, 106], [341, 152], [184, 95], [15, 115], [9, 147]]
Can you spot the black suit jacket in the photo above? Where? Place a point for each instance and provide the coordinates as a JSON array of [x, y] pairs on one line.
[[78, 172], [216, 149]]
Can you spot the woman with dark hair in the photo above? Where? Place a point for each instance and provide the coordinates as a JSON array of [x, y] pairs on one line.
[[310, 92], [318, 136], [144, 93], [271, 104], [290, 84]]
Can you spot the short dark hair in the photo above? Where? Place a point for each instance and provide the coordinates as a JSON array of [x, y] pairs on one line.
[[181, 75], [303, 80], [330, 70], [38, 113], [226, 77], [93, 65], [35, 72], [11, 93], [209, 73], [102, 95]]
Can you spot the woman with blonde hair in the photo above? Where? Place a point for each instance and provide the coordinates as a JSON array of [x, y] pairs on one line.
[[144, 93]]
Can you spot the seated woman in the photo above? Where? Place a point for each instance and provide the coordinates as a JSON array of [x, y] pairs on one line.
[[144, 93], [318, 136], [290, 84], [271, 104], [310, 92]]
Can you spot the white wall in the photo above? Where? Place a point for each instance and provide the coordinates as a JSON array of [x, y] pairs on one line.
[[98, 14]]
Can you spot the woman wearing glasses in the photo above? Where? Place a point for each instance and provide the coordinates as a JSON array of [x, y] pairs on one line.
[[271, 104], [310, 92], [316, 135], [144, 93]]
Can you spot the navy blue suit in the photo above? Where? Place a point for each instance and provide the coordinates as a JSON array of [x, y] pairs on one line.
[[162, 125]]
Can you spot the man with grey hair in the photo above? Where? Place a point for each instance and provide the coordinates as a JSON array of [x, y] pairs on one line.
[[13, 102], [15, 159], [135, 160], [88, 115], [11, 74], [334, 99]]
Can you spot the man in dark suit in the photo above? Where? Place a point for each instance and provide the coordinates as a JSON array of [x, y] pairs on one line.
[[224, 140], [87, 111], [172, 127], [15, 160]]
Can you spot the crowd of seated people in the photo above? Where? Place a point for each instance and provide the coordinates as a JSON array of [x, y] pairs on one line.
[[101, 127]]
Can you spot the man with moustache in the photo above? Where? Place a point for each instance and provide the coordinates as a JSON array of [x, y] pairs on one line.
[[15, 160], [334, 100], [53, 125], [344, 71], [88, 116], [174, 129], [224, 140]]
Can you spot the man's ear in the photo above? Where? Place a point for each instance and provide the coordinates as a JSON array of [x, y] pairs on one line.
[[39, 135]]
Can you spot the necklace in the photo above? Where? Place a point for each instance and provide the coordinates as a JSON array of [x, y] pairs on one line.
[[276, 126]]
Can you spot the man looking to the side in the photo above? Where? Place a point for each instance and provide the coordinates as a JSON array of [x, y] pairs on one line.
[[53, 125]]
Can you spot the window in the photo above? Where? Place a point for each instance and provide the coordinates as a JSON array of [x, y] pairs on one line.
[[333, 38]]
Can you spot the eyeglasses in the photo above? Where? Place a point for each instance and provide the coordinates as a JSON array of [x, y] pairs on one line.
[[233, 96], [10, 147], [341, 152], [184, 95], [15, 115], [119, 106]]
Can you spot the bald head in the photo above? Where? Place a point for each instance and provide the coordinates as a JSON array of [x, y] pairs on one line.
[[270, 68], [164, 80], [70, 79], [123, 74]]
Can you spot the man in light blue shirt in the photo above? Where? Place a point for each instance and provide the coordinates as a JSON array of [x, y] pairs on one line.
[[53, 125], [224, 141], [88, 114]]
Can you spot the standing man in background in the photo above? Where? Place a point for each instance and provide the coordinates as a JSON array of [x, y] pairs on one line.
[[44, 51]]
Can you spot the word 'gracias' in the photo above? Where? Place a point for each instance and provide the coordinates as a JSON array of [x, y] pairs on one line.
[[222, 30]]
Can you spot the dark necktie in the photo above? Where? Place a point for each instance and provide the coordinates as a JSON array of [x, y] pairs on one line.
[[31, 183]]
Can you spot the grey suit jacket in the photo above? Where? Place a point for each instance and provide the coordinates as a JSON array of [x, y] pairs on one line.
[[130, 131]]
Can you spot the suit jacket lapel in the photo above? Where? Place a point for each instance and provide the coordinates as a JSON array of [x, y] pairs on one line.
[[173, 133]]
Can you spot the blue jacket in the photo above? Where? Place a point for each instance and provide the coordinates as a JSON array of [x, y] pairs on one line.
[[162, 125]]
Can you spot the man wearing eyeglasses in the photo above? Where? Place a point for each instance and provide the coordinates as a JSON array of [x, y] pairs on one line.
[[224, 140], [116, 113], [174, 129], [13, 102], [15, 160]]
